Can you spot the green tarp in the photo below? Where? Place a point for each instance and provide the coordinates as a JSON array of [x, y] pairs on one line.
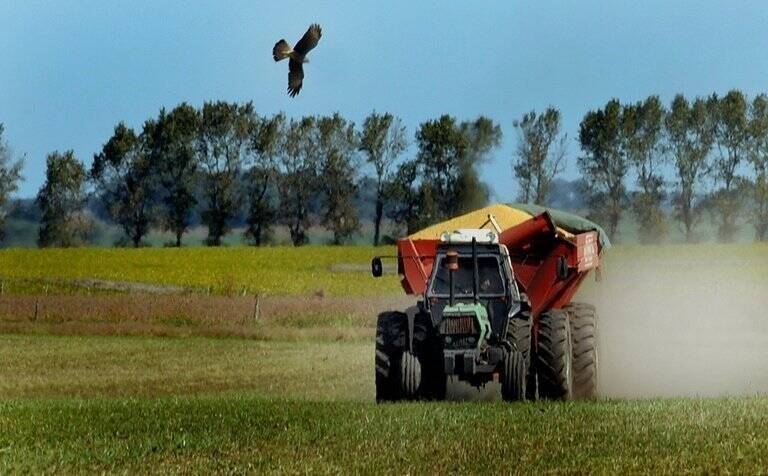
[[567, 221]]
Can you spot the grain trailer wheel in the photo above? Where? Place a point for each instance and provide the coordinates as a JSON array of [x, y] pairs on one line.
[[583, 318], [554, 356]]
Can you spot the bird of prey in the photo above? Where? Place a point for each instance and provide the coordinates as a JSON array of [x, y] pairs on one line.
[[297, 56]]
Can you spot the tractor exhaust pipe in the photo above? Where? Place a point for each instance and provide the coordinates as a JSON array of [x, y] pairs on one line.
[[475, 274], [452, 263]]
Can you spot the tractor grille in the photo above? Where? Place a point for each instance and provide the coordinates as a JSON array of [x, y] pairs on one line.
[[454, 325]]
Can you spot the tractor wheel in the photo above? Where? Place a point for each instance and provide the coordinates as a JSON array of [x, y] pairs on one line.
[[584, 335], [517, 362], [554, 356], [410, 375], [390, 341], [514, 377]]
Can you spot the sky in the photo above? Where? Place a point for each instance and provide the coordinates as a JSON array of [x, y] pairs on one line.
[[71, 70]]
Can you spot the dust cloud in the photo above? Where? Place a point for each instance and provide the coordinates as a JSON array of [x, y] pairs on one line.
[[674, 327], [682, 327]]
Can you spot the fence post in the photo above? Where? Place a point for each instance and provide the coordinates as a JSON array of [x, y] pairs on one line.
[[256, 309]]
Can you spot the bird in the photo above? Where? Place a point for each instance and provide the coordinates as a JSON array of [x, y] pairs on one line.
[[297, 56]]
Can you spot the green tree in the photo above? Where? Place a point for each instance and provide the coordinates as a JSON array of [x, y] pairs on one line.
[[125, 180], [540, 153], [10, 175], [448, 157], [299, 177], [261, 178], [758, 157], [604, 165], [732, 140], [225, 131], [642, 127], [382, 140], [337, 148], [483, 137], [689, 135], [412, 205], [61, 200], [171, 141]]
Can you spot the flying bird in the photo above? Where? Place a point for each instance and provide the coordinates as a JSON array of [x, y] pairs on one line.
[[297, 56]]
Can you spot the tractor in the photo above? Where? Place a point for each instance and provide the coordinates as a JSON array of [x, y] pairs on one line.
[[495, 289]]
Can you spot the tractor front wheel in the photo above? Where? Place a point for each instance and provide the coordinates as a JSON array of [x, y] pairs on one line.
[[514, 377], [410, 375]]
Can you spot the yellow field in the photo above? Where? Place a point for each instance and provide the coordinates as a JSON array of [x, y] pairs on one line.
[[335, 271]]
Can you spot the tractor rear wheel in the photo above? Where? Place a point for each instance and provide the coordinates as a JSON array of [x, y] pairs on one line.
[[390, 341], [583, 319], [554, 356]]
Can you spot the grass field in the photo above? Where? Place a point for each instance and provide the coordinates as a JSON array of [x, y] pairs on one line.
[[121, 382], [121, 404], [337, 271], [283, 271]]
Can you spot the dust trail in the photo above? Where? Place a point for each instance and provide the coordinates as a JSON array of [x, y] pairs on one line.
[[683, 327]]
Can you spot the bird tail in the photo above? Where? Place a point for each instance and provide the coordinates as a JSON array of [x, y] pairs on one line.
[[281, 50]]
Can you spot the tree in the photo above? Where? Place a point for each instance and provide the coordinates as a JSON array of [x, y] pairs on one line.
[[171, 141], [337, 147], [412, 205], [731, 138], [758, 157], [225, 131], [299, 177], [125, 179], [448, 156], [61, 200], [262, 176], [382, 140], [642, 125], [483, 136], [10, 175], [689, 132], [603, 164], [540, 154]]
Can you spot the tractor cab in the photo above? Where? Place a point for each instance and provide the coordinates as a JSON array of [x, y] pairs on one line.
[[470, 296]]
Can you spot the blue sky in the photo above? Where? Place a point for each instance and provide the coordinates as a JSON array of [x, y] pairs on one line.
[[70, 70]]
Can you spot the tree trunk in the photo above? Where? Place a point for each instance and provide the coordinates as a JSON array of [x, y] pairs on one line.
[[377, 221], [178, 238]]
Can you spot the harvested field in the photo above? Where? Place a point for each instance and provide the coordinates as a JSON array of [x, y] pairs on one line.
[[191, 314]]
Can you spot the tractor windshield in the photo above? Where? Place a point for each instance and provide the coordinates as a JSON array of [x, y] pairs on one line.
[[490, 281]]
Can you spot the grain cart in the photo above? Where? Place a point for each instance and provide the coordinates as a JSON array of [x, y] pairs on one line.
[[495, 289]]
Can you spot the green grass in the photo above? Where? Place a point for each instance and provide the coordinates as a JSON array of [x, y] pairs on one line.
[[128, 405], [255, 434]]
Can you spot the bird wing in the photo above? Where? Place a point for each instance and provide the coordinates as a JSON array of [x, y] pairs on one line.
[[309, 40], [295, 77]]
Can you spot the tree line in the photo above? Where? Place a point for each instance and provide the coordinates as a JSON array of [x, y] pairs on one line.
[[708, 155], [223, 161]]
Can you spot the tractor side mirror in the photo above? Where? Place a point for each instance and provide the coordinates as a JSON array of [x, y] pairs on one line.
[[562, 268], [377, 269]]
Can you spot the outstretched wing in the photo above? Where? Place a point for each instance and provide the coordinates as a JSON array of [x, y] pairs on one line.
[[295, 77], [309, 40]]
